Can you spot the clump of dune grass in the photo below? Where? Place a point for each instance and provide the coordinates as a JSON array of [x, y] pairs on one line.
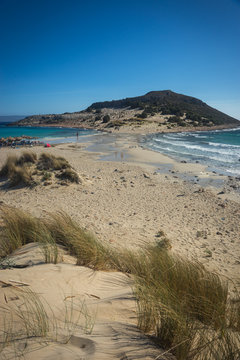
[[22, 319], [21, 176], [13, 161], [180, 302], [20, 228], [17, 169], [8, 166], [87, 249], [69, 175], [50, 162], [27, 157], [26, 169]]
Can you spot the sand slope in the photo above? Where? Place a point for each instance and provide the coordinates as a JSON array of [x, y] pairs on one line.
[[94, 313]]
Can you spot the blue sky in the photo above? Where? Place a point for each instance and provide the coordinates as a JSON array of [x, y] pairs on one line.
[[62, 55]]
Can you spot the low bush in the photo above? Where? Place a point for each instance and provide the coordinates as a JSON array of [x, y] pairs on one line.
[[69, 175], [106, 119], [143, 115], [46, 176]]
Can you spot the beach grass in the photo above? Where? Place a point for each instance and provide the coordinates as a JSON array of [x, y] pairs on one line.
[[8, 166], [183, 306], [17, 170], [186, 308], [87, 249], [50, 162], [25, 169], [21, 176], [69, 175], [27, 157]]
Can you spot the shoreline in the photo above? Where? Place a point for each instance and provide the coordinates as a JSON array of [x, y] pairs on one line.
[[130, 150], [126, 148], [128, 131]]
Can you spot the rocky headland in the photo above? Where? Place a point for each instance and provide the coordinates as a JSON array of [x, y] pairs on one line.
[[155, 111]]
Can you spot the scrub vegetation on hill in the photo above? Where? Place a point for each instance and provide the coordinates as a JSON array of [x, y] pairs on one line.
[[183, 307], [169, 103], [177, 110]]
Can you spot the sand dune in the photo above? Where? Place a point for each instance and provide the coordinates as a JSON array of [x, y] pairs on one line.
[[94, 313]]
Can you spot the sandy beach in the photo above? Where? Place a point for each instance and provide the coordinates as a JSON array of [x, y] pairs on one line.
[[127, 195], [133, 193]]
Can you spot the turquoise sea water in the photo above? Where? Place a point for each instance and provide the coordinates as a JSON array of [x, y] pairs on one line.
[[46, 134], [219, 149]]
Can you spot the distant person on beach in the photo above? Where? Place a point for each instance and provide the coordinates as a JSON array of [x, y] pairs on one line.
[[77, 135]]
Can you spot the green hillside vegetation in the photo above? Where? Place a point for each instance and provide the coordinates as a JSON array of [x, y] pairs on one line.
[[178, 109], [170, 103]]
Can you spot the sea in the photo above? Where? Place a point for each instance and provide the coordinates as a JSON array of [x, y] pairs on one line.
[[50, 135], [219, 150]]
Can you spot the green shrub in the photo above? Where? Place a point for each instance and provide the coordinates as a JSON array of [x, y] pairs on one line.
[[143, 115], [106, 119], [69, 175], [46, 176]]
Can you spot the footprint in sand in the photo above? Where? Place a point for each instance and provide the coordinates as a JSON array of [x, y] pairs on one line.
[[84, 344]]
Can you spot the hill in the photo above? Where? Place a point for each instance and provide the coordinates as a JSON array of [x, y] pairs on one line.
[[162, 108]]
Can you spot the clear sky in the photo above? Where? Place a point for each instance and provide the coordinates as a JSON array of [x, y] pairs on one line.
[[62, 55]]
